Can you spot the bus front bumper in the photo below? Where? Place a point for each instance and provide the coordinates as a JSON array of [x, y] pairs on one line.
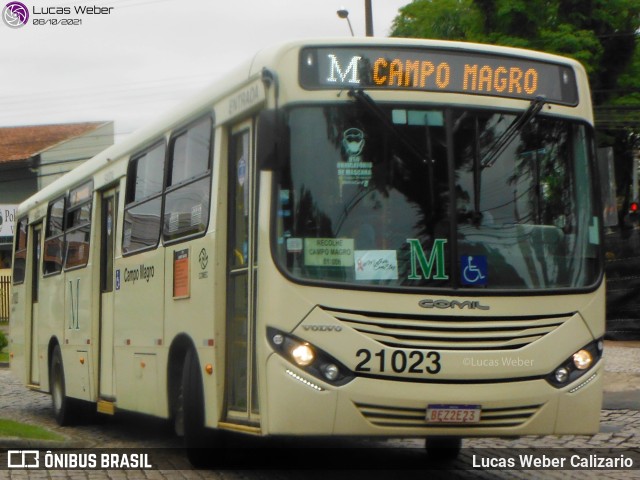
[[300, 404]]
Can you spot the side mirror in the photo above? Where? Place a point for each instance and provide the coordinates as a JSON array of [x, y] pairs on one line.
[[272, 140]]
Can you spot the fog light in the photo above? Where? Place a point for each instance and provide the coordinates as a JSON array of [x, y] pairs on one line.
[[562, 374], [303, 355], [331, 371], [582, 359]]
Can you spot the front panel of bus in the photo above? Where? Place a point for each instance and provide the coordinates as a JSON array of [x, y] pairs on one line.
[[434, 261]]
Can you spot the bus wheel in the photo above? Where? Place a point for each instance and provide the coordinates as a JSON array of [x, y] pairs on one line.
[[443, 449], [63, 406]]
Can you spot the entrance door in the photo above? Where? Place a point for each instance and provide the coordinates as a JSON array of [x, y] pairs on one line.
[[109, 208], [241, 391], [34, 369]]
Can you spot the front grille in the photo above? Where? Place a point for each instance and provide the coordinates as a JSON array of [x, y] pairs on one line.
[[404, 417], [450, 332]]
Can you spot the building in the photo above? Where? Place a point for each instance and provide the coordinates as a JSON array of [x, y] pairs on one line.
[[31, 157]]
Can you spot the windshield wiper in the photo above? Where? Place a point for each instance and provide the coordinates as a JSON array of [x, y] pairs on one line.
[[512, 130], [364, 99]]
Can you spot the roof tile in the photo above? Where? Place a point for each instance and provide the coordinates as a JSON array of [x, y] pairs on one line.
[[22, 143]]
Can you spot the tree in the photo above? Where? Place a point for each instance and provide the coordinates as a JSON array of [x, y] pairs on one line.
[[601, 34]]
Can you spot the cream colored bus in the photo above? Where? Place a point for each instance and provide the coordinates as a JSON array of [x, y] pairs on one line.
[[350, 237]]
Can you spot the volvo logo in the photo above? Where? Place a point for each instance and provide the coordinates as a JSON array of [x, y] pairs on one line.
[[323, 328], [444, 304]]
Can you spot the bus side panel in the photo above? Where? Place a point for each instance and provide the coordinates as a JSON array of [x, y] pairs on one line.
[[139, 331], [51, 324], [78, 323], [191, 309]]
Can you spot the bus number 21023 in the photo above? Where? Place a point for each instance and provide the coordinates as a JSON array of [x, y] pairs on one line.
[[398, 361]]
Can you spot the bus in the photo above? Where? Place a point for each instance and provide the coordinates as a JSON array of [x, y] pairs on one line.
[[359, 237]]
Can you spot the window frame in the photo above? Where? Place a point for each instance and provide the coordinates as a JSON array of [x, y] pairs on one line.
[[70, 208], [48, 236], [131, 202], [185, 183], [17, 250]]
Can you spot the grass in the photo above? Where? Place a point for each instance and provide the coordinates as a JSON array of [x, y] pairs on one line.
[[4, 357], [9, 428]]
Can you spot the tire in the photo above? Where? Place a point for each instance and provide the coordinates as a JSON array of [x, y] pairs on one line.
[[64, 408]]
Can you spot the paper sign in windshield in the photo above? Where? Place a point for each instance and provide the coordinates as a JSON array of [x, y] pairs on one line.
[[354, 171], [376, 265], [328, 252]]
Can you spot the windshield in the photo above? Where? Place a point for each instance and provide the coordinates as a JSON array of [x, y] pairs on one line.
[[402, 197]]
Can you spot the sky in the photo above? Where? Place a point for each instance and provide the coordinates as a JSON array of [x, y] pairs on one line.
[[141, 58]]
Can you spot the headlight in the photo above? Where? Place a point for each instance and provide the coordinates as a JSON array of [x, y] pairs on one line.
[[576, 365], [303, 355], [309, 358], [582, 359]]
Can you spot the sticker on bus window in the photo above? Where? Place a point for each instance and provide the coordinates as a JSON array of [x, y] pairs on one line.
[[473, 269], [376, 265], [354, 171], [328, 252], [294, 245]]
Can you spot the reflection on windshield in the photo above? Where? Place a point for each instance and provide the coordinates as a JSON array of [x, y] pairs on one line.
[[357, 204]]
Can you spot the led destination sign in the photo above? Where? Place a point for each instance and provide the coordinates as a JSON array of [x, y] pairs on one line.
[[437, 70]]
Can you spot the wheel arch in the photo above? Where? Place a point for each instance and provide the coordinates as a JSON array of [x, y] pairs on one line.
[[180, 345]]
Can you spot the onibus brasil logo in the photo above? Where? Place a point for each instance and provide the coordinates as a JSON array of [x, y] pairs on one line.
[[15, 15]]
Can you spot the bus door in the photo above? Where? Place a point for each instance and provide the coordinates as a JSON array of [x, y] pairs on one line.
[[108, 209], [34, 368], [241, 381]]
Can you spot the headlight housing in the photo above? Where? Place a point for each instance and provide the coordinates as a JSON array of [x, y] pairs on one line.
[[576, 365], [309, 358]]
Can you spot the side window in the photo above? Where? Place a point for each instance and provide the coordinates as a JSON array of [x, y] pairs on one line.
[[143, 202], [189, 182], [54, 238], [20, 255], [78, 226]]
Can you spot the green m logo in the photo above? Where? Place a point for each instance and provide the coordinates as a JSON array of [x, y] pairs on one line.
[[418, 257]]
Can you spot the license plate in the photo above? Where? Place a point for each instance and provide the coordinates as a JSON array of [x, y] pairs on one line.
[[453, 413]]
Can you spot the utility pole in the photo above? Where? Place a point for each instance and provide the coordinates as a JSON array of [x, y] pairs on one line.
[[368, 18]]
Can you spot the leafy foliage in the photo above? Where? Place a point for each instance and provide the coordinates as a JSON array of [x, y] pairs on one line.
[[601, 34]]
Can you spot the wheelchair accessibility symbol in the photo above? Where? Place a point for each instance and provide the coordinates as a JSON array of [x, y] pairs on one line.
[[473, 269]]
